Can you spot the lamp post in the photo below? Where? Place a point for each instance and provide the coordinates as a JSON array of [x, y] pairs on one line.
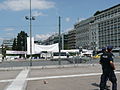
[[2, 52], [30, 18]]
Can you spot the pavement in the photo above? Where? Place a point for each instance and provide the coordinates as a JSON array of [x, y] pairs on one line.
[[57, 77]]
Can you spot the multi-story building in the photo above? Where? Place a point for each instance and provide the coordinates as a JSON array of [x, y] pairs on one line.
[[108, 26], [72, 39], [101, 30], [93, 35], [83, 34], [64, 41]]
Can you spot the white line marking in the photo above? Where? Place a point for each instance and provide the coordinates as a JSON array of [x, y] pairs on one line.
[[67, 76], [19, 82], [9, 80], [62, 76]]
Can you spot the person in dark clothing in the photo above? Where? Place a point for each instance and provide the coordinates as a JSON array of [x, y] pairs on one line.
[[103, 51], [106, 60]]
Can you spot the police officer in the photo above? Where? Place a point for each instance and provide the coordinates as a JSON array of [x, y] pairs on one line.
[[103, 51], [106, 60]]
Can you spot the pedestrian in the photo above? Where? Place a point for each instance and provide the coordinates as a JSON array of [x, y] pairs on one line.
[[103, 51], [106, 60]]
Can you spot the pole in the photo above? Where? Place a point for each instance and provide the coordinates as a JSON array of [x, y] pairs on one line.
[[30, 36], [59, 40], [62, 41], [2, 52], [25, 45]]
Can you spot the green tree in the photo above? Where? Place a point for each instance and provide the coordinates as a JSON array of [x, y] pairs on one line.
[[20, 44], [14, 47]]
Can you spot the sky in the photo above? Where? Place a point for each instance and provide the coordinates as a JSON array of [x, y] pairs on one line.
[[46, 13]]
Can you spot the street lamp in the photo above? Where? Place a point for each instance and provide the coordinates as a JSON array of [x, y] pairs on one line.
[[30, 18]]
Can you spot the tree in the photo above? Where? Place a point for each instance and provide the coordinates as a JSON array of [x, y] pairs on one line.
[[20, 44], [14, 47]]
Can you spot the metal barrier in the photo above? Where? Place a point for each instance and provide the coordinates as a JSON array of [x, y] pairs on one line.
[[44, 62]]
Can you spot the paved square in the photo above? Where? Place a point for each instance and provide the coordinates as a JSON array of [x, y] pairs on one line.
[[70, 77]]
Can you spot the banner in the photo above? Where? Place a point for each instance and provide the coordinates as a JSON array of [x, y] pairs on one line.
[[36, 49], [48, 48]]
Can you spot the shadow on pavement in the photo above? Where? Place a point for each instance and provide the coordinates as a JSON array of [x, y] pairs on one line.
[[97, 85]]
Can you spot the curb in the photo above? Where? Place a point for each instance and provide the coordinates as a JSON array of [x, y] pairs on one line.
[[46, 67], [50, 67]]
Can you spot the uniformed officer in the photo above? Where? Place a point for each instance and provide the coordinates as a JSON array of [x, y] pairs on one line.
[[103, 51], [106, 60]]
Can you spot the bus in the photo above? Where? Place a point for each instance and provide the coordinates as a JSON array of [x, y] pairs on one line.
[[55, 55]]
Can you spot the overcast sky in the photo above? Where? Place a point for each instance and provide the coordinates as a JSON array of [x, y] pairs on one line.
[[46, 12]]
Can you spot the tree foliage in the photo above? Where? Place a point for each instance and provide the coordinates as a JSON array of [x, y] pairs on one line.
[[20, 43], [14, 47]]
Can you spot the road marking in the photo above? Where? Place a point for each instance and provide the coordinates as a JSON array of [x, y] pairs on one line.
[[20, 82], [62, 76], [66, 76], [9, 80]]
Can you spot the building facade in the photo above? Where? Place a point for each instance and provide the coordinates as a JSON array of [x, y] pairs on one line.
[[94, 45], [101, 30], [72, 39], [83, 34], [108, 22]]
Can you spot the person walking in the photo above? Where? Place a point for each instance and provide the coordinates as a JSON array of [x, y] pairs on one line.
[[108, 67], [103, 51]]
